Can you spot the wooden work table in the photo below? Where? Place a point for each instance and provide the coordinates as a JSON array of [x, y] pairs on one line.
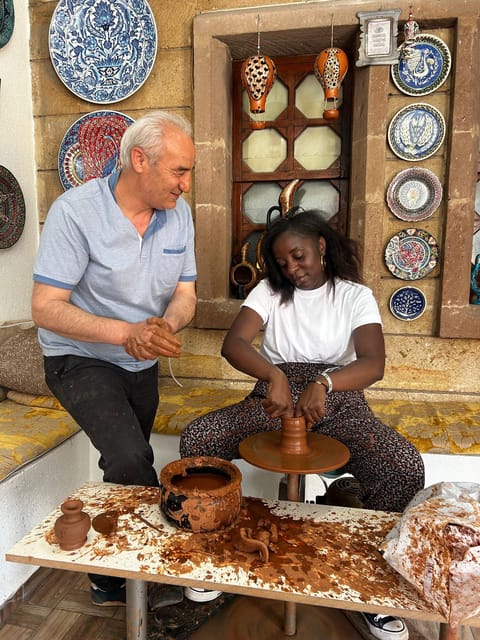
[[319, 555]]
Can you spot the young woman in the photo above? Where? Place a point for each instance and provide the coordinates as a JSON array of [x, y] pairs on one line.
[[322, 345]]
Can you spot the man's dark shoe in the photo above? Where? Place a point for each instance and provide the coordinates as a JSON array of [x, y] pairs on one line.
[[115, 597]]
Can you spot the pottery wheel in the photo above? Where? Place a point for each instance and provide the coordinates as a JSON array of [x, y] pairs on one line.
[[263, 450]]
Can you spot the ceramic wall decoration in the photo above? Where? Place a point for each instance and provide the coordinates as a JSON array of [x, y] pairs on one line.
[[414, 194], [258, 75], [411, 254], [12, 209], [416, 132], [7, 21], [90, 147], [423, 66], [331, 66], [103, 50], [407, 303]]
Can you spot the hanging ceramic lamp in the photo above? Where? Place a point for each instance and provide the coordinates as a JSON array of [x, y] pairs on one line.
[[258, 75], [330, 68]]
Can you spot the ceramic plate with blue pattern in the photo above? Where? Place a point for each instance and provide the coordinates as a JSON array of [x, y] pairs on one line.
[[407, 303], [416, 132], [423, 65], [103, 50]]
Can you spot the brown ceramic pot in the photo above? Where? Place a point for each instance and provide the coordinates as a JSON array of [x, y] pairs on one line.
[[72, 527], [200, 494]]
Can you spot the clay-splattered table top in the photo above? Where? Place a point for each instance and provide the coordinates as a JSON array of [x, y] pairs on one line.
[[319, 555]]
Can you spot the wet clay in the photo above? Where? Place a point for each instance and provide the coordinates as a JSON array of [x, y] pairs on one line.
[[294, 436], [106, 523]]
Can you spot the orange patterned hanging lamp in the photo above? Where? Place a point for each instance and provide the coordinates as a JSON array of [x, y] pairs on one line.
[[330, 68], [258, 75]]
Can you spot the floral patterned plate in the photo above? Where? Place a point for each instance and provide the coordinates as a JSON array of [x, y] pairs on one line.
[[407, 303], [102, 50], [414, 194], [411, 254]]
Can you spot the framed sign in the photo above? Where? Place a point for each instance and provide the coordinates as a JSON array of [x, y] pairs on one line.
[[378, 37]]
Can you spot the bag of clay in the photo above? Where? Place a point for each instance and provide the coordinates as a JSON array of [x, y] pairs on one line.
[[436, 547]]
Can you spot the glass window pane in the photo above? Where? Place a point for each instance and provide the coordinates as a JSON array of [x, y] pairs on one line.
[[318, 194], [310, 98], [264, 150], [317, 147], [258, 200]]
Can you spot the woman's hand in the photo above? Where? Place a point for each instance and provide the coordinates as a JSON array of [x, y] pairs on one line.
[[311, 404], [278, 402]]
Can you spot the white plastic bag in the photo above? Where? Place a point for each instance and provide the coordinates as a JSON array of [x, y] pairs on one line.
[[436, 547]]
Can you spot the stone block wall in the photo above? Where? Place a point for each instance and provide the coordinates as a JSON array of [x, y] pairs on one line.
[[188, 79]]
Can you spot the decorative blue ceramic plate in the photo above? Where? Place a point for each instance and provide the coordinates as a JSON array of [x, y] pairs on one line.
[[7, 21], [103, 50], [90, 147], [414, 194], [423, 65], [411, 254], [416, 132], [407, 303]]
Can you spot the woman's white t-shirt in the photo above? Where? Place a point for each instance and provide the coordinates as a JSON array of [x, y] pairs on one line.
[[317, 325]]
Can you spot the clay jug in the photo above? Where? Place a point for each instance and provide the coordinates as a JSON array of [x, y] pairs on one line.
[[71, 529], [201, 493], [330, 68]]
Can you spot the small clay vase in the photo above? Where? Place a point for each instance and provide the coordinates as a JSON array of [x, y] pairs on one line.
[[71, 529], [294, 436]]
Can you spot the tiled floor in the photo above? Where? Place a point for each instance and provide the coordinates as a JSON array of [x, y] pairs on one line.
[[59, 608]]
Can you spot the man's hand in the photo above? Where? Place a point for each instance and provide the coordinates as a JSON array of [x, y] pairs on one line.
[[153, 338]]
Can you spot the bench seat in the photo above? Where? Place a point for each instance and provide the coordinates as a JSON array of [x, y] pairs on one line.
[[32, 425]]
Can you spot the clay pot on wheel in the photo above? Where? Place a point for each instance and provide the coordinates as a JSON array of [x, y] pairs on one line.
[[72, 527], [200, 494]]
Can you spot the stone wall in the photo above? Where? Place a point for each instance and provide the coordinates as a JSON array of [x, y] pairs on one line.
[[419, 362]]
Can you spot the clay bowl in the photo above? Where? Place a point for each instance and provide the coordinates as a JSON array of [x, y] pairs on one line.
[[200, 494]]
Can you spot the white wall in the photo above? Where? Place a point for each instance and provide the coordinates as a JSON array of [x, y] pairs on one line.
[[17, 155], [30, 494]]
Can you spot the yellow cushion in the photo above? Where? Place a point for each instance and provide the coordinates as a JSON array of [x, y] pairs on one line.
[[27, 432], [179, 406], [445, 427]]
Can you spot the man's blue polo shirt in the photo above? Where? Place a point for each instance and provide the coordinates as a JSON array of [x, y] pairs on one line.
[[89, 247]]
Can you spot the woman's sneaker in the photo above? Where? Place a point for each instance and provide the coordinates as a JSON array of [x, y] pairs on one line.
[[201, 595], [386, 627]]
